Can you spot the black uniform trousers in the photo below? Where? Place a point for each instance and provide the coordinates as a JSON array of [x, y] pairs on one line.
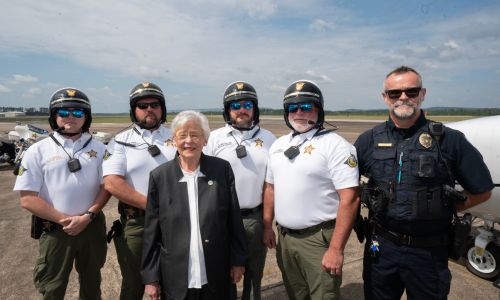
[[422, 271]]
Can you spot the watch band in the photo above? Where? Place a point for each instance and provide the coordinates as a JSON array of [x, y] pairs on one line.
[[92, 215]]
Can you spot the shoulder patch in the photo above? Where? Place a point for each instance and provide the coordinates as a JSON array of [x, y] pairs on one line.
[[351, 161], [106, 155], [21, 171]]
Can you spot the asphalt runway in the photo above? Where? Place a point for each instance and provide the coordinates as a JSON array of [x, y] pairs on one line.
[[18, 251]]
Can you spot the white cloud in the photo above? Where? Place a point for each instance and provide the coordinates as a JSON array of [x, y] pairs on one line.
[[32, 92], [321, 25], [452, 45], [25, 78], [204, 45], [4, 89]]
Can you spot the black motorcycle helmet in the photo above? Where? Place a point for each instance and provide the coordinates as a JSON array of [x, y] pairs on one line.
[[147, 90], [69, 98], [238, 91], [304, 91]]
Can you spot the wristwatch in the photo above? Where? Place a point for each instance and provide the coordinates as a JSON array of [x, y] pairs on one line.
[[91, 215]]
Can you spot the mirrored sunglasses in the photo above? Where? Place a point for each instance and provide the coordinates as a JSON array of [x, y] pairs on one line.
[[146, 105], [305, 107], [64, 113], [410, 93], [237, 105]]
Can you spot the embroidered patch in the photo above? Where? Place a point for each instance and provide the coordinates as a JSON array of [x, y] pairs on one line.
[[309, 149], [351, 161], [21, 170], [107, 155]]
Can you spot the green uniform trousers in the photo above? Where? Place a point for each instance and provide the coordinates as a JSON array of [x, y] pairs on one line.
[[299, 258], [58, 251], [254, 267], [129, 252]]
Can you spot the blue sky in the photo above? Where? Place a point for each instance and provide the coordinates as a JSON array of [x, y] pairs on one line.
[[194, 48]]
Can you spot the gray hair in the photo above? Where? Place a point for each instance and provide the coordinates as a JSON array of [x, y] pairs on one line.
[[190, 115]]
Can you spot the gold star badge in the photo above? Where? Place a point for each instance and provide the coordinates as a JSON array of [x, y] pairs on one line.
[[240, 85], [92, 153], [425, 140], [145, 84], [258, 142], [299, 86], [309, 149], [168, 143], [71, 93]]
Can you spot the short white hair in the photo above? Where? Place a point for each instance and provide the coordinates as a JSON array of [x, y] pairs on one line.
[[190, 115]]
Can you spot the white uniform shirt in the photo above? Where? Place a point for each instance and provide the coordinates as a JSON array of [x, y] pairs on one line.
[[249, 171], [44, 169], [197, 272], [135, 163], [305, 187]]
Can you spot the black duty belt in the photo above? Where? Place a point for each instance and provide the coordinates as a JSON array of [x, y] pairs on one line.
[[129, 212], [312, 229], [415, 241], [245, 212]]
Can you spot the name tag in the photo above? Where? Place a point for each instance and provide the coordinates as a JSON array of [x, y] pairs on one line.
[[384, 145]]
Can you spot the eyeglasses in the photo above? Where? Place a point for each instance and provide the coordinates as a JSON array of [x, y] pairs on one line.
[[195, 136], [64, 113], [237, 105], [410, 93], [146, 105], [305, 107]]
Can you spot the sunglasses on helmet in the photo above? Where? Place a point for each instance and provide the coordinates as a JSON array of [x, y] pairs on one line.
[[238, 105], [305, 107], [410, 93], [64, 113], [146, 105]]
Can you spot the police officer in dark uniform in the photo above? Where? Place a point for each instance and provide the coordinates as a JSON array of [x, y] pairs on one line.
[[409, 166]]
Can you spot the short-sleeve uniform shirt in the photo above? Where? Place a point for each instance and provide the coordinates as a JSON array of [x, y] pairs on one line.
[[44, 169], [132, 160], [305, 187], [249, 171]]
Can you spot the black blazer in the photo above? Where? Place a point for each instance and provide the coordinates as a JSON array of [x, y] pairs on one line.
[[165, 255]]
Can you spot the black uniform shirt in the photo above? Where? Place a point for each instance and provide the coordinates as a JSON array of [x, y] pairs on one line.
[[465, 162]]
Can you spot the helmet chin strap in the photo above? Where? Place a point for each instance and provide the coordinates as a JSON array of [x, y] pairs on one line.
[[143, 125], [68, 134], [233, 124]]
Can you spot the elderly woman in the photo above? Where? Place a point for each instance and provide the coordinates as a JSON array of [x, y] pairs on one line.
[[194, 241]]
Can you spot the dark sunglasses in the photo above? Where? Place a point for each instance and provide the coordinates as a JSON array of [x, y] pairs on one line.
[[237, 105], [146, 105], [305, 107], [64, 113], [410, 93]]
